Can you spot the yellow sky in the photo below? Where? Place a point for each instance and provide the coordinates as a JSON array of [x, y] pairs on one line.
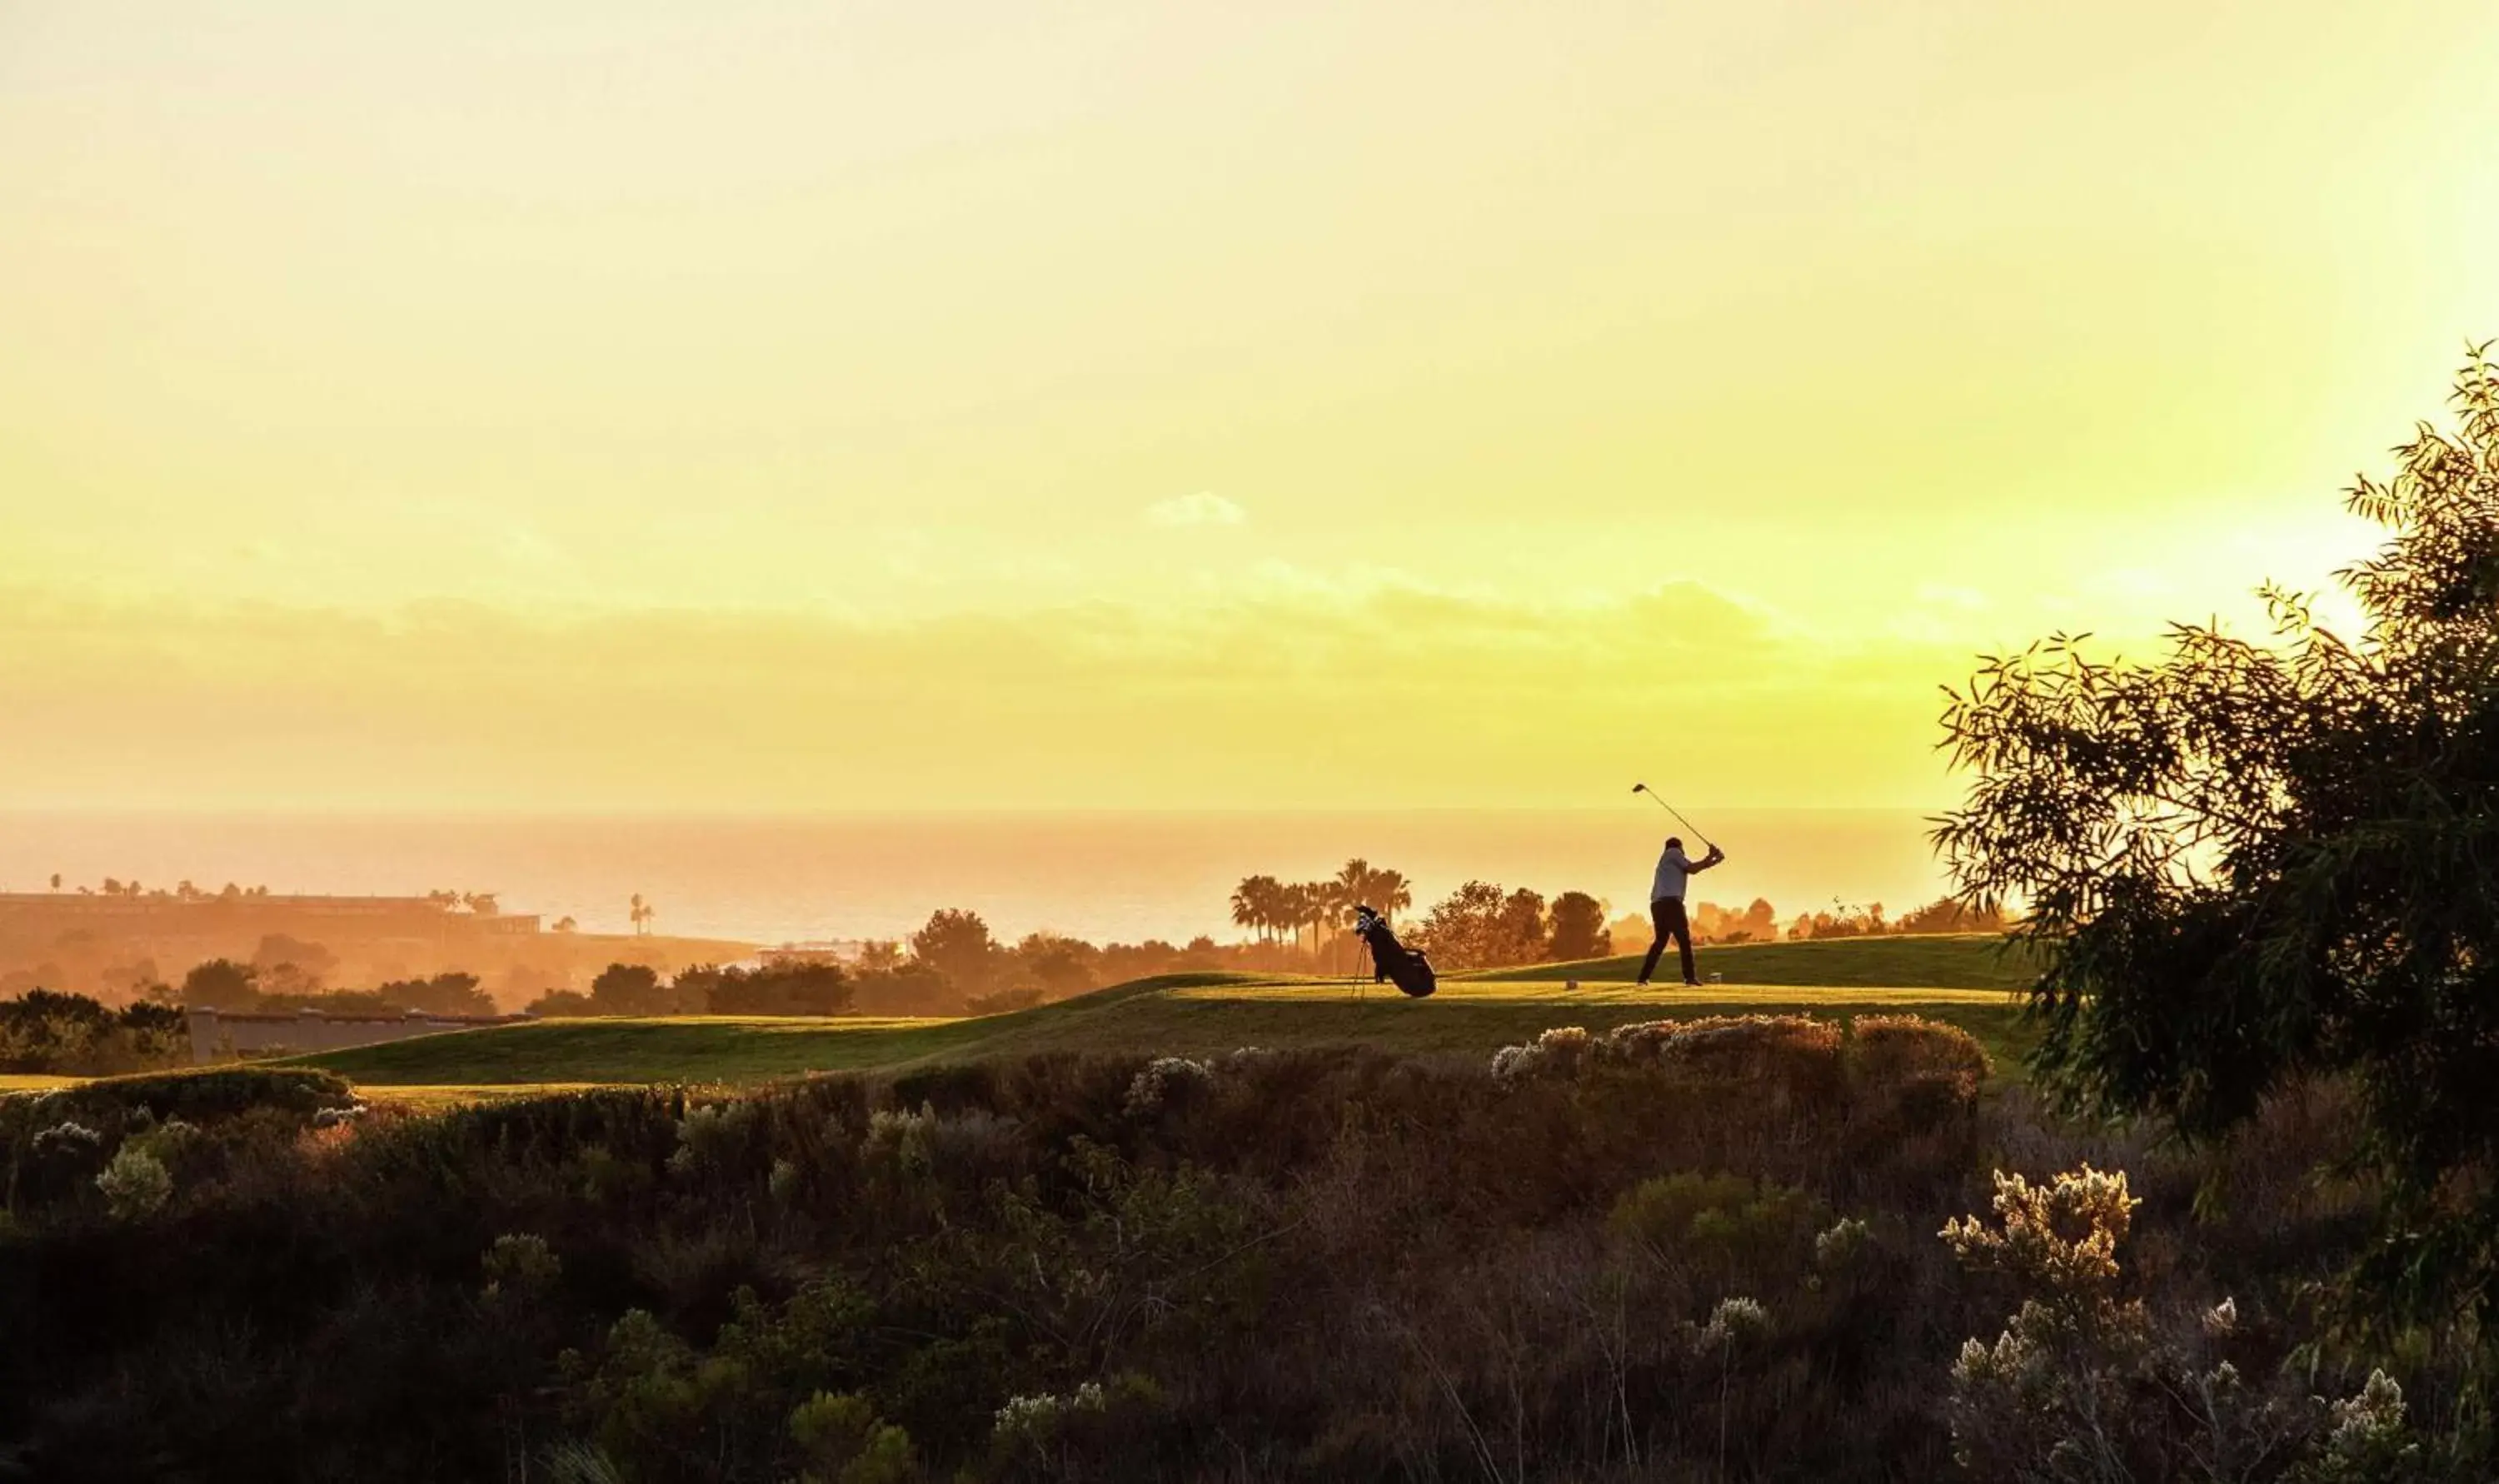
[[583, 405]]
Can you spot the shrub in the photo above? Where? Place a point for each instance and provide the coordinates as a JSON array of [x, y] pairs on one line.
[[66, 1140], [136, 1183], [2082, 1384], [901, 1138], [1718, 1227], [209, 1094], [1841, 1244], [1165, 1079], [2366, 1441], [1895, 1050], [1560, 1052], [1735, 1321], [520, 1262], [2059, 1240], [845, 1442], [713, 1139], [1735, 1046]]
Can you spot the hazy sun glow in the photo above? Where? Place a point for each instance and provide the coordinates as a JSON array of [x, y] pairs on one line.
[[1173, 406]]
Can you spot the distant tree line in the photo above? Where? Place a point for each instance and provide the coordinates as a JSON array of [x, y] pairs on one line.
[[48, 1031], [1946, 915], [816, 989], [251, 988], [182, 892], [952, 965]]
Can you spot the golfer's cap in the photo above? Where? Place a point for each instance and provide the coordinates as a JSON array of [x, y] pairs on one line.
[[1674, 842]]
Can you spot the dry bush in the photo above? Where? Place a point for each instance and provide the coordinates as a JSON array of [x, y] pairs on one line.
[[1894, 1050]]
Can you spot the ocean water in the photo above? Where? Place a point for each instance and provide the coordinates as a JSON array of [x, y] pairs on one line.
[[1099, 876]]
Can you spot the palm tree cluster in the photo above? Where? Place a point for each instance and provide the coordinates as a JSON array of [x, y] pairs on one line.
[[1268, 906]]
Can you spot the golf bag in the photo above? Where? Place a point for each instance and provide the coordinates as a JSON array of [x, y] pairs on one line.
[[1409, 969]]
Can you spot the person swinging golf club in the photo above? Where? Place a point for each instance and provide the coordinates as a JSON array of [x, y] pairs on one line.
[[1666, 912]]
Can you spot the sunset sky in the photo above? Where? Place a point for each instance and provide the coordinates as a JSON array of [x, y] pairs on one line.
[[745, 405]]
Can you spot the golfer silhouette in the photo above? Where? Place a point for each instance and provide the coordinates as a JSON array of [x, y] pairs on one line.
[[1665, 905]]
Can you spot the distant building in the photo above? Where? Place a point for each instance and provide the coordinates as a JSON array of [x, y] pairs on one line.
[[30, 913], [843, 951]]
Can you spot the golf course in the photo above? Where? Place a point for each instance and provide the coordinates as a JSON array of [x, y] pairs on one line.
[[1971, 982]]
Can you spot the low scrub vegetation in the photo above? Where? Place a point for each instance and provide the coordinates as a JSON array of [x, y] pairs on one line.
[[1673, 1250]]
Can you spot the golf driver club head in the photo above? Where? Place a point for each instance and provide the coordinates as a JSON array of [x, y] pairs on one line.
[[1659, 800]]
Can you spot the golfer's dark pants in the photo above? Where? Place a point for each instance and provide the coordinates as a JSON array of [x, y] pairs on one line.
[[1666, 914]]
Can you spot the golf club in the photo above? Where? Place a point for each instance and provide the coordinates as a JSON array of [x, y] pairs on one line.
[[1642, 788]]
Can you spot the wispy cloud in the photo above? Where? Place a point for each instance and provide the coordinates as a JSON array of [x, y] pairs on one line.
[[1398, 695], [1203, 509]]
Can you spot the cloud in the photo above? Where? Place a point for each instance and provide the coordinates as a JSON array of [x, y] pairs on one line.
[[1396, 697], [1203, 509]]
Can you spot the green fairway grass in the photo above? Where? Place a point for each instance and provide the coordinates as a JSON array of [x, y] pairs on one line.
[[1208, 1013], [1945, 961]]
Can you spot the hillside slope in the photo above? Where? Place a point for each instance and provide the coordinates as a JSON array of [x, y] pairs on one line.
[[1965, 983]]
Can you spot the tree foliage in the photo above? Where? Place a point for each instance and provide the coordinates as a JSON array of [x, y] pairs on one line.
[[1579, 928], [48, 1031], [1479, 925], [775, 990], [2248, 861], [221, 984], [629, 989], [957, 943]]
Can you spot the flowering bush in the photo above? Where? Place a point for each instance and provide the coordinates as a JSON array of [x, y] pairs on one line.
[[520, 1262], [1782, 1047], [66, 1138], [1162, 1079], [2082, 1386], [1560, 1052], [2366, 1441]]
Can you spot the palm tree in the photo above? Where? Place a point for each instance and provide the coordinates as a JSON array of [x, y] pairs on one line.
[[1288, 910], [1391, 892], [1257, 904], [1351, 889], [1313, 905], [1246, 900], [1354, 883], [641, 914]]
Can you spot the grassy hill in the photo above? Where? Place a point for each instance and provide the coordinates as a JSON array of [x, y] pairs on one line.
[[1961, 979]]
